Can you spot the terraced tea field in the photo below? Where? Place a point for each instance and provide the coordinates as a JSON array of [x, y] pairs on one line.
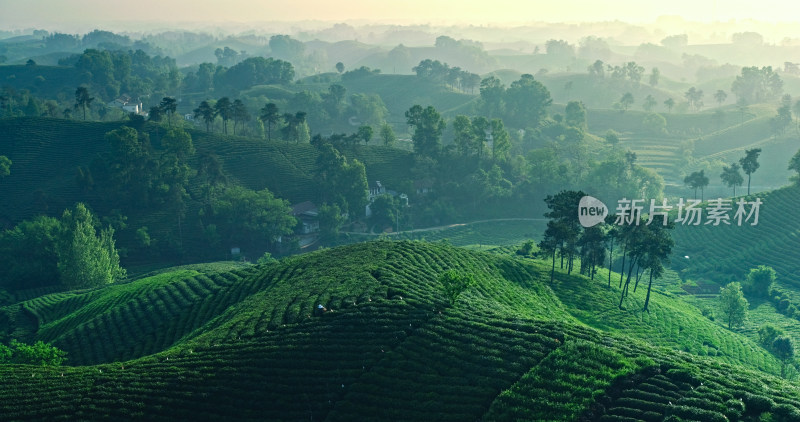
[[248, 345], [726, 253]]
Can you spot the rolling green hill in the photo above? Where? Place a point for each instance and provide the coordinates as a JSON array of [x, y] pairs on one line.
[[247, 345], [726, 253], [694, 140], [400, 92]]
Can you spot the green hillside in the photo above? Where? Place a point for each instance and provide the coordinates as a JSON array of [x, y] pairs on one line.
[[693, 140], [400, 92], [247, 345], [721, 254], [46, 154], [726, 253]]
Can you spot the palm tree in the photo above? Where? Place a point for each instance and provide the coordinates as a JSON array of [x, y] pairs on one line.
[[83, 99]]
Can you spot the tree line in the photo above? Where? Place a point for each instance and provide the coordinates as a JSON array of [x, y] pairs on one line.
[[646, 244]]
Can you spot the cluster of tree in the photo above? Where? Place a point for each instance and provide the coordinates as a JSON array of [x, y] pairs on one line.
[[359, 73], [566, 158], [734, 305], [228, 57], [466, 53], [134, 175], [73, 251], [630, 71], [15, 103], [335, 110], [453, 77], [341, 183], [523, 104], [784, 118], [484, 164], [39, 353], [472, 136], [646, 244], [105, 40], [286, 48], [731, 175], [560, 49], [697, 180], [780, 345], [226, 110], [252, 219], [695, 98], [245, 74], [110, 73], [756, 85]]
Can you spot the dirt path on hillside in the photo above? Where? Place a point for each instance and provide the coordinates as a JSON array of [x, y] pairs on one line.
[[448, 226]]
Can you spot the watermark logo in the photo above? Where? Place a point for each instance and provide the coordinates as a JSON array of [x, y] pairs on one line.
[[591, 211]]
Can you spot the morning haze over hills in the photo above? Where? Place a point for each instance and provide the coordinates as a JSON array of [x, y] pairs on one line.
[[357, 211]]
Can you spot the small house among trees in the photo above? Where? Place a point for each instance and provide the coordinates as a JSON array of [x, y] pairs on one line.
[[128, 105], [307, 215]]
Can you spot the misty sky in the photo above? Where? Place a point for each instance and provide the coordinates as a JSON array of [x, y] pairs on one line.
[[105, 14]]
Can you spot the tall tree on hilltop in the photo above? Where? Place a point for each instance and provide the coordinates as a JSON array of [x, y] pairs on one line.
[[169, 105], [697, 180], [224, 109], [612, 235], [155, 115], [626, 101], [794, 164], [658, 247], [720, 96], [239, 113], [428, 126], [270, 115], [732, 177], [526, 102], [82, 99], [549, 244], [492, 93], [207, 113], [750, 164], [296, 128], [733, 304], [564, 209], [636, 236], [593, 251], [669, 102]]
